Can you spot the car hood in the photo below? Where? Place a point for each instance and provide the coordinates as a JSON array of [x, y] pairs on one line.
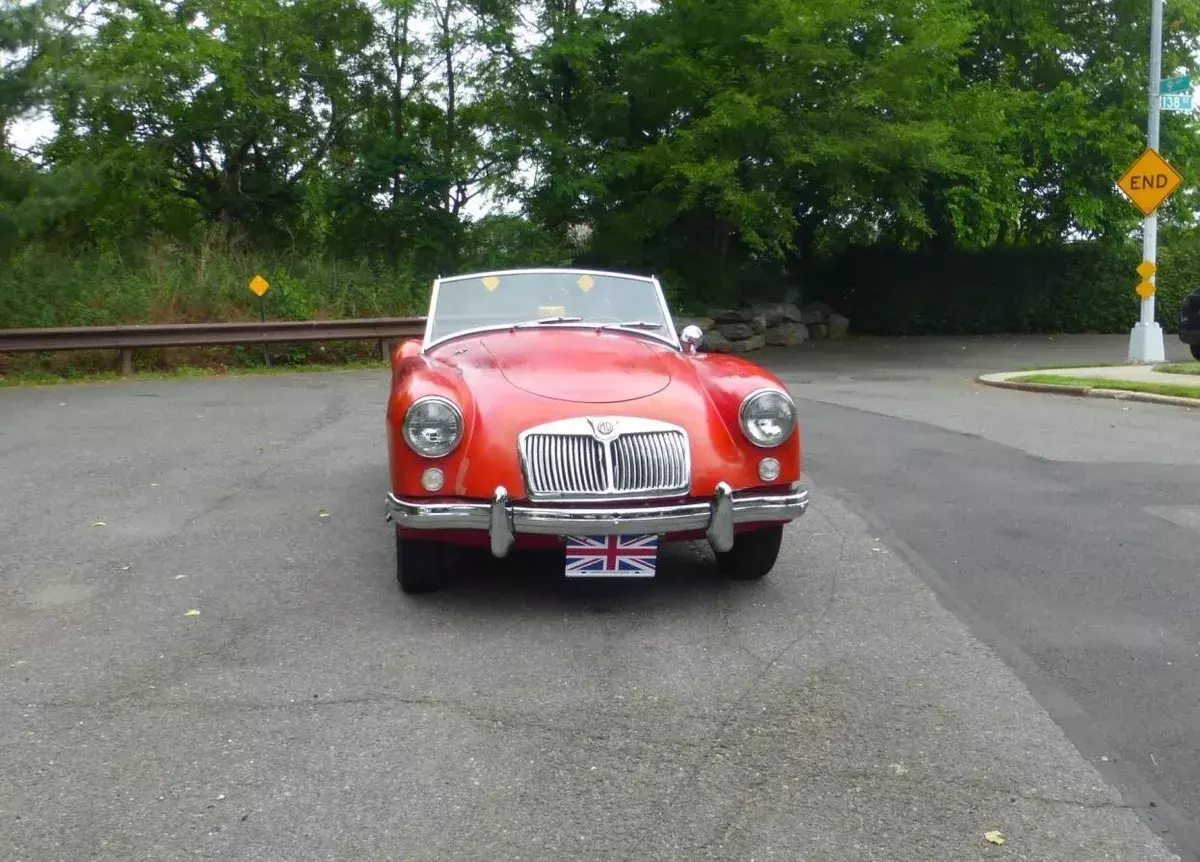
[[585, 373], [579, 367]]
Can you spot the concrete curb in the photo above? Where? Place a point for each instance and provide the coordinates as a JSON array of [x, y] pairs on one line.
[[1002, 381]]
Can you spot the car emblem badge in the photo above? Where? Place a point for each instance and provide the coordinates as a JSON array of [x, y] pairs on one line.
[[604, 427]]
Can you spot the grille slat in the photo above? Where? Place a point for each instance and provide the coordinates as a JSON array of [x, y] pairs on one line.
[[663, 462], [599, 477], [641, 462], [560, 463], [578, 463]]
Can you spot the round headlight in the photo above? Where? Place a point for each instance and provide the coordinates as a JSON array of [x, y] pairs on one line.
[[433, 426], [768, 417]]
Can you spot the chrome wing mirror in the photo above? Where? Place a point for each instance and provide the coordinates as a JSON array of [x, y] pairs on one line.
[[691, 337]]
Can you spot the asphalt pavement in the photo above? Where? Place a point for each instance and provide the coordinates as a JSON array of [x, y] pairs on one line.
[[948, 637], [1064, 531]]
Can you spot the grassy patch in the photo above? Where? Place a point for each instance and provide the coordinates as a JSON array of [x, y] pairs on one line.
[[47, 378], [161, 281], [1180, 390], [1179, 368], [1078, 365]]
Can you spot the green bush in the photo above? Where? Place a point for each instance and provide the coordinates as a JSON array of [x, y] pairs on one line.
[[166, 283], [1080, 287]]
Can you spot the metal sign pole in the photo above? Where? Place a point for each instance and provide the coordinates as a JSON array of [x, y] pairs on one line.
[[262, 315], [1146, 339]]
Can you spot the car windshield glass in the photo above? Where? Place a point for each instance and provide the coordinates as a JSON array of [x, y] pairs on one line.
[[546, 300]]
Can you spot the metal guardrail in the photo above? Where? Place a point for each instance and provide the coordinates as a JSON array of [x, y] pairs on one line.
[[385, 330]]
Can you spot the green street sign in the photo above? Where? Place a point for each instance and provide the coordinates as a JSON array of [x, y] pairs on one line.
[[1169, 86], [1180, 104]]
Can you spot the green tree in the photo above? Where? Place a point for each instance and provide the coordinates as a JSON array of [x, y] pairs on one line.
[[1075, 75]]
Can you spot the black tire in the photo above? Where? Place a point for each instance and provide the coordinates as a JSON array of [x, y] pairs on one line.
[[419, 565], [1195, 351], [753, 554]]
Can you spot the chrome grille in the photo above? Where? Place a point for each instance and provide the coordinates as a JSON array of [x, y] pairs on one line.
[[649, 461], [637, 457], [565, 464]]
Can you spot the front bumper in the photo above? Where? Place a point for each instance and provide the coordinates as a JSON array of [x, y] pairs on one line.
[[504, 521]]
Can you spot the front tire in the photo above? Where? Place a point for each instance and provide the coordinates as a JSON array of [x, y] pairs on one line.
[[1195, 351], [419, 565], [753, 554]]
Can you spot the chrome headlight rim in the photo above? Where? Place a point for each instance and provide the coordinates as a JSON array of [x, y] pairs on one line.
[[429, 399], [750, 399]]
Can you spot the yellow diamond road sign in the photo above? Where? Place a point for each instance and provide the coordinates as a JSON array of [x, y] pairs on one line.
[[1149, 182], [259, 285], [1146, 269], [1145, 290]]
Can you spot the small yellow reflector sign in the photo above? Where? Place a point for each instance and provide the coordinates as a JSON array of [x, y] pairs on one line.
[[259, 285]]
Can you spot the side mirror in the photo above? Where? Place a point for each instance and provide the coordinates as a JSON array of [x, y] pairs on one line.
[[691, 337]]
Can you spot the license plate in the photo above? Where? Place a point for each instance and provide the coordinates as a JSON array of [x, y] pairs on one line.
[[612, 556]]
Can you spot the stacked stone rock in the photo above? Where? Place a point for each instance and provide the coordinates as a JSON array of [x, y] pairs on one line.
[[778, 324]]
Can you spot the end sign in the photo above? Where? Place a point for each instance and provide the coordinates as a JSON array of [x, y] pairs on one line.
[[1149, 182]]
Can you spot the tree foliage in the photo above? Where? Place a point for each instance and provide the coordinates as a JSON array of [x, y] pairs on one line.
[[723, 144]]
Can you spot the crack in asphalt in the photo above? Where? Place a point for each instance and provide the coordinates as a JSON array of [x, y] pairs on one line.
[[497, 719], [333, 412], [733, 714]]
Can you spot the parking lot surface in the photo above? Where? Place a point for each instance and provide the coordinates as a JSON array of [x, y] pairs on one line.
[[848, 707]]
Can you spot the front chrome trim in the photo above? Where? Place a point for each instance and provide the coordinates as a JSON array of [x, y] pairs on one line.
[[606, 430], [504, 521], [720, 527], [500, 526]]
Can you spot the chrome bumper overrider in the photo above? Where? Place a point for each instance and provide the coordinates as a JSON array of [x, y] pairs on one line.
[[504, 521]]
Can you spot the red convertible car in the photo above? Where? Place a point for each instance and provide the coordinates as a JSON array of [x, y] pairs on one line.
[[559, 407]]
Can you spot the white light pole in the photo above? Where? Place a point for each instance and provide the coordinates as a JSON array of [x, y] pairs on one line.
[[1146, 339]]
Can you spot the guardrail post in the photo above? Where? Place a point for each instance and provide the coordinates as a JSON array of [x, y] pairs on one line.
[[385, 348], [126, 361]]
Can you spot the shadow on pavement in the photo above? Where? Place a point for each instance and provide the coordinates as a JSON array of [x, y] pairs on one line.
[[687, 579]]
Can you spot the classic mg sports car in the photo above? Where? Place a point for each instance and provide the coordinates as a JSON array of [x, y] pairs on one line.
[[560, 408]]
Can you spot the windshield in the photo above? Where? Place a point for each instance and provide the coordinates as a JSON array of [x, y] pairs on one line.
[[547, 299]]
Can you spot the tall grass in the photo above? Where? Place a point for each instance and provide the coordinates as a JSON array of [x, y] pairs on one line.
[[165, 282]]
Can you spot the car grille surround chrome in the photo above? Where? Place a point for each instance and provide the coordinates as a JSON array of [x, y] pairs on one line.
[[610, 457]]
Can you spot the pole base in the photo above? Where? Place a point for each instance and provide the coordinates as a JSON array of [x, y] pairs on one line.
[[1146, 343]]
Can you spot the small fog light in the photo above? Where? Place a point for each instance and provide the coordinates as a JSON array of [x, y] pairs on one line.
[[768, 469], [433, 479]]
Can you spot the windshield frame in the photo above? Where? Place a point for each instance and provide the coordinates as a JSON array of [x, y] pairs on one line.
[[667, 335]]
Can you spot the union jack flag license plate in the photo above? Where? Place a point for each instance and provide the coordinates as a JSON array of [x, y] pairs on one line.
[[612, 556]]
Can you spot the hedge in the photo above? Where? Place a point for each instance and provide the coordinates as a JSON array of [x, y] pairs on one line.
[[1080, 287]]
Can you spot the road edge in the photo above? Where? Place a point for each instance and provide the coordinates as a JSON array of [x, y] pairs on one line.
[[1172, 827], [1002, 381]]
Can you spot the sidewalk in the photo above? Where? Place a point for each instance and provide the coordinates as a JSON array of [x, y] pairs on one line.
[[1124, 382]]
